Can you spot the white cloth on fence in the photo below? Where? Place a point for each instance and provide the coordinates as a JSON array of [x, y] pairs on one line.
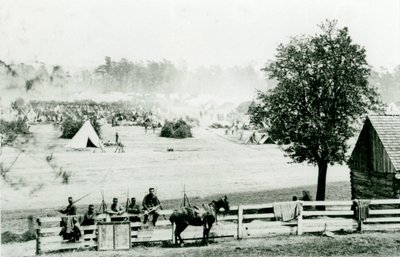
[[286, 211]]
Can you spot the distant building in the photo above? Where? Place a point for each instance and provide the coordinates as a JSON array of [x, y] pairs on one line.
[[375, 160]]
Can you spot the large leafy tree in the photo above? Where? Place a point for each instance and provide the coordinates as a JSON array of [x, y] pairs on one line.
[[322, 91]]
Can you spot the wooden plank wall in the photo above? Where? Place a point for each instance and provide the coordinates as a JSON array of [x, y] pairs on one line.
[[371, 185]]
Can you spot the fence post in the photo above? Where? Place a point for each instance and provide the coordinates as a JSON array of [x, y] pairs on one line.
[[356, 209], [240, 223], [173, 233], [300, 218], [31, 226], [38, 241]]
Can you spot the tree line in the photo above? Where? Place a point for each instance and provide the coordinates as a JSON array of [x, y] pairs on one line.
[[136, 76]]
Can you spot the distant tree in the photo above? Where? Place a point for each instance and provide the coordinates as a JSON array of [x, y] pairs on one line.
[[388, 84], [58, 76], [322, 91], [244, 107], [9, 68]]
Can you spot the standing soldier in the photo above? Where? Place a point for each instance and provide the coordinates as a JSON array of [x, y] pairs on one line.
[[70, 231], [150, 206], [70, 209]]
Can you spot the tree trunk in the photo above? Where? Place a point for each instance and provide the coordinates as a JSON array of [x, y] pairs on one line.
[[322, 170]]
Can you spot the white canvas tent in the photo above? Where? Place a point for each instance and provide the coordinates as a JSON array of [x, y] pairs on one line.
[[85, 137]]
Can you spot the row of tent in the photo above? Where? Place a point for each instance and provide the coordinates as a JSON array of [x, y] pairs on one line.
[[87, 137]]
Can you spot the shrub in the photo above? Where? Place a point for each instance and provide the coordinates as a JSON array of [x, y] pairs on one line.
[[70, 126], [167, 130], [216, 125], [10, 237], [11, 129], [178, 129]]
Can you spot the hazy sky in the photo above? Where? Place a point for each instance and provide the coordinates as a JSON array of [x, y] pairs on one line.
[[81, 33]]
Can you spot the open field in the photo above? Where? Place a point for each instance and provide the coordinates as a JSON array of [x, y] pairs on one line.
[[16, 220], [206, 164]]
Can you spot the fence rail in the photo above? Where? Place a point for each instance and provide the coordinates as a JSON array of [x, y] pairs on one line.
[[244, 221]]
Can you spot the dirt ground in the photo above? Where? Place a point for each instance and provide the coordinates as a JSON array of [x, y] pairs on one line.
[[207, 164], [366, 244]]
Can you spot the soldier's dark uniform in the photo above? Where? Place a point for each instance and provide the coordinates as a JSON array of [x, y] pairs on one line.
[[69, 230], [134, 208], [150, 201]]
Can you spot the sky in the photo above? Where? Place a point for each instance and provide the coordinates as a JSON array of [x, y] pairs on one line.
[[77, 33]]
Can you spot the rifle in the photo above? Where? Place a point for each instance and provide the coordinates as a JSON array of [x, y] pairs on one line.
[[127, 202], [103, 205], [163, 214], [76, 201], [160, 205]]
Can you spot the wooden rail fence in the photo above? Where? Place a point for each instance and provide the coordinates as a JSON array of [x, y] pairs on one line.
[[243, 221]]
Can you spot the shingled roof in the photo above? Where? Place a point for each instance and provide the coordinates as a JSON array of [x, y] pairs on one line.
[[388, 129]]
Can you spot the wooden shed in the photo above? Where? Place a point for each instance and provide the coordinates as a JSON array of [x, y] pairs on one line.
[[375, 160]]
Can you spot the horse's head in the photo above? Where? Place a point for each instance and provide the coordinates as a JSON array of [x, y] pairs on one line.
[[222, 203]]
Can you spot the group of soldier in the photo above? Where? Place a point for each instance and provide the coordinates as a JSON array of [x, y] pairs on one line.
[[116, 212]]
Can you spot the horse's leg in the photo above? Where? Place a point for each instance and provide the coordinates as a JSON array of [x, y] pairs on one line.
[[205, 224], [208, 233], [203, 241], [179, 229]]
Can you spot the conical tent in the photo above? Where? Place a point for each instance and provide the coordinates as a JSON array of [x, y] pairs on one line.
[[85, 137], [252, 139], [265, 139]]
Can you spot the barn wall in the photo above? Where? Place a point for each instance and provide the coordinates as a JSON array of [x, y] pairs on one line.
[[372, 185], [369, 153]]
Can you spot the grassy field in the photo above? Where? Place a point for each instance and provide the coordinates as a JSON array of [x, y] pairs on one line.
[[209, 163]]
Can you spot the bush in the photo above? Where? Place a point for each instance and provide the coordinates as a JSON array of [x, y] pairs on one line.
[[69, 127], [10, 237], [11, 129], [178, 129], [167, 130], [216, 125]]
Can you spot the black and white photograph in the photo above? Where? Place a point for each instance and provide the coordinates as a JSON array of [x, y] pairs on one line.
[[200, 128]]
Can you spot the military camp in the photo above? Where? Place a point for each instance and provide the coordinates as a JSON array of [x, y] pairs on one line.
[[199, 128]]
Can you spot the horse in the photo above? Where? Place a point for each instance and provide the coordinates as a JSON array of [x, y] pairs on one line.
[[204, 216]]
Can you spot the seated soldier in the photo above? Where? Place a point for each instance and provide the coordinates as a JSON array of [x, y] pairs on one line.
[[133, 208], [116, 209], [306, 197], [89, 219], [150, 206]]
